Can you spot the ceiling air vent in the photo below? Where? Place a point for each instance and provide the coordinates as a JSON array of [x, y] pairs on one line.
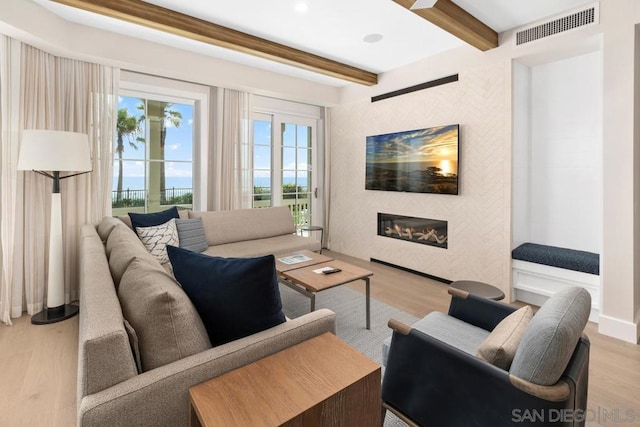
[[581, 18]]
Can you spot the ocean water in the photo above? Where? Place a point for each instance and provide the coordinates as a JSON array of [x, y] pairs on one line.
[[137, 182]]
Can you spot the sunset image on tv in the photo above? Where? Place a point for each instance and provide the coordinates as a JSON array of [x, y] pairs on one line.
[[419, 161]]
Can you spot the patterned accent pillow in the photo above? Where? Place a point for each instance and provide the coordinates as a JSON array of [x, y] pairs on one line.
[[157, 237]]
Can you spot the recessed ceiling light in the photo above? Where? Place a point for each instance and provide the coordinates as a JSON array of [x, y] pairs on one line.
[[301, 6], [372, 38]]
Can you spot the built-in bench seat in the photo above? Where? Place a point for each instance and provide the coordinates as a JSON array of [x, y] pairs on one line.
[[539, 271]]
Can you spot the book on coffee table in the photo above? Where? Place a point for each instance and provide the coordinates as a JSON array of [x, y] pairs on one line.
[[294, 259]]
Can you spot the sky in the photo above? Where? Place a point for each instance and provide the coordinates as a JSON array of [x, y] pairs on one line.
[[423, 145], [295, 152]]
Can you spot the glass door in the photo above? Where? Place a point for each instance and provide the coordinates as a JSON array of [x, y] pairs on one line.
[[297, 138], [284, 152]]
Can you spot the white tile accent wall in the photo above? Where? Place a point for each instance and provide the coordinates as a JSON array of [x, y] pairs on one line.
[[479, 218]]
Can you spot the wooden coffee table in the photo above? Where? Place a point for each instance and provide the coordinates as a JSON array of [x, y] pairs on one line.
[[316, 258], [308, 282], [319, 382]]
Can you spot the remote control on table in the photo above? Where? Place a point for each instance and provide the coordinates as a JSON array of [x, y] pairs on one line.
[[331, 271]]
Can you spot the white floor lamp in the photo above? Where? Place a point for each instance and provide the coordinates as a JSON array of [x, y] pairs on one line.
[[48, 153]]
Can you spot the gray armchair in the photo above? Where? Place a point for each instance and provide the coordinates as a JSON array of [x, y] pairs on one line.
[[433, 376]]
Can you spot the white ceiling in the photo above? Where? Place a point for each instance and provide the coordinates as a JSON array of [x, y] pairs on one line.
[[331, 28]]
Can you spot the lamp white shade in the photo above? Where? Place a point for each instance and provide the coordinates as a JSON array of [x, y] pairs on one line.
[[52, 150]]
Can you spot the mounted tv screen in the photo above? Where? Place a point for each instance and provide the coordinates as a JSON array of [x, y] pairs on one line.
[[416, 161]]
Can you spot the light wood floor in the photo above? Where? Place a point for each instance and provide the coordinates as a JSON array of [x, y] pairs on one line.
[[38, 363]]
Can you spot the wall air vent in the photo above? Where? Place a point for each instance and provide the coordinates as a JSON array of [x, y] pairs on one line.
[[579, 19]]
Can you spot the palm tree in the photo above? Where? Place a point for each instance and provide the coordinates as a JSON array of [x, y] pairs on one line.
[[128, 128]]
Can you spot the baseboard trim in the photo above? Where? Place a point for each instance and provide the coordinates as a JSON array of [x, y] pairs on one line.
[[409, 270], [620, 329]]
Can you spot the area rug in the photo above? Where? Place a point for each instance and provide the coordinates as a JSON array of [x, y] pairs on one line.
[[349, 306]]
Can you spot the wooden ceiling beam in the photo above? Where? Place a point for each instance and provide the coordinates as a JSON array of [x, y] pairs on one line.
[[457, 21], [159, 18]]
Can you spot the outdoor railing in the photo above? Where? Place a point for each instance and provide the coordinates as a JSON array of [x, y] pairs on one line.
[[300, 209], [176, 196], [136, 198], [128, 198]]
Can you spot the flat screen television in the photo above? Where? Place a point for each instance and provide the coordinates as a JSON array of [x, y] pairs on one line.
[[416, 161]]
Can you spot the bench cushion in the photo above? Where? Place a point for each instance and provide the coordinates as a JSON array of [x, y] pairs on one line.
[[569, 259]]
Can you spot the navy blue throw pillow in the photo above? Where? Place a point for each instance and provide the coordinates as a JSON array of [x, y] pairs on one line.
[[152, 219], [235, 297]]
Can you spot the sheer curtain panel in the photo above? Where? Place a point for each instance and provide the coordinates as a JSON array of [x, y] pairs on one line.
[[58, 94], [232, 163]]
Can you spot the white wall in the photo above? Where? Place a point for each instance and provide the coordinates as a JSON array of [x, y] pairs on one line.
[[521, 176], [566, 153], [620, 314], [478, 218]]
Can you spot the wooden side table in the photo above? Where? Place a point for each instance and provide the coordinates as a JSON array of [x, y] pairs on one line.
[[319, 382]]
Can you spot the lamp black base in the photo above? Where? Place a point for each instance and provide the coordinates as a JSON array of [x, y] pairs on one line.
[[56, 314]]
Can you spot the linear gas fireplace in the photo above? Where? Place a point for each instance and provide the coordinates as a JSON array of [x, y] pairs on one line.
[[432, 232]]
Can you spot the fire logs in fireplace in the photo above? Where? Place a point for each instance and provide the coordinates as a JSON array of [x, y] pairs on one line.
[[426, 231]]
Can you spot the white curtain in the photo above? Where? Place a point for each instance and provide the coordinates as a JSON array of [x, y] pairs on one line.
[[58, 94], [232, 161], [11, 272], [326, 193]]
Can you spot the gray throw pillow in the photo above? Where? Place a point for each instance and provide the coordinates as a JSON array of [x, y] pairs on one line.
[[191, 235], [551, 338]]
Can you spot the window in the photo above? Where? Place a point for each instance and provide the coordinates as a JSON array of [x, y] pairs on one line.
[[153, 155], [262, 161]]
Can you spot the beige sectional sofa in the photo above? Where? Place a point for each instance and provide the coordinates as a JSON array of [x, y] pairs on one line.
[[249, 232], [115, 265]]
